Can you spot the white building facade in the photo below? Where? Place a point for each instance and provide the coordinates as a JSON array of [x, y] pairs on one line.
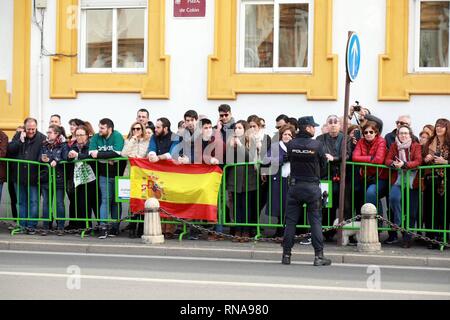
[[261, 57]]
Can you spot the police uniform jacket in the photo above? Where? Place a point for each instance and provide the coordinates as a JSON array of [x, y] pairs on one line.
[[307, 157]]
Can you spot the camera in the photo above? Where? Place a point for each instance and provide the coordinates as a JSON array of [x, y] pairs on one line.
[[357, 107]]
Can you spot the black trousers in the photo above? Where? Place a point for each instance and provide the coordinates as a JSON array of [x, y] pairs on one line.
[[299, 194]]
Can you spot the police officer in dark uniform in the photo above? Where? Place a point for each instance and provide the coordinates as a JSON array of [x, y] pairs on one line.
[[308, 161]]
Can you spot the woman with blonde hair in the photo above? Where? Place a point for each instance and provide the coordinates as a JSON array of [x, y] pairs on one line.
[[136, 146], [137, 141]]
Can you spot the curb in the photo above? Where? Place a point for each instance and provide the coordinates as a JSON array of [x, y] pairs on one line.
[[226, 253]]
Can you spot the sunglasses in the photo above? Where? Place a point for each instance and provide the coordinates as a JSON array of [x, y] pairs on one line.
[[137, 129], [223, 115], [402, 123], [332, 121], [369, 132]]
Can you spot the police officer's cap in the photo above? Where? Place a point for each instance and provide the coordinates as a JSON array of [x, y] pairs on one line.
[[307, 121]]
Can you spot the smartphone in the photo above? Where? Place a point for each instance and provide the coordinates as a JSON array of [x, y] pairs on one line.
[[437, 154], [357, 134]]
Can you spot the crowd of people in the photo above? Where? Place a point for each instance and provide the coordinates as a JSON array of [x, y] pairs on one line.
[[227, 141]]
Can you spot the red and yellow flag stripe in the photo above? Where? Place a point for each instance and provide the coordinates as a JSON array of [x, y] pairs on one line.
[[186, 191]]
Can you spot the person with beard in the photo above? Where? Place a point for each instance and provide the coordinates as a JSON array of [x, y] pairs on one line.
[[161, 147], [53, 151], [26, 145], [308, 162], [106, 144]]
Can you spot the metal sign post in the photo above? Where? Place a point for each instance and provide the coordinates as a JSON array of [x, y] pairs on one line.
[[353, 59]]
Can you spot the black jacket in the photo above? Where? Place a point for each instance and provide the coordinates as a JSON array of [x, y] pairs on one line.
[[307, 157], [56, 153], [30, 151]]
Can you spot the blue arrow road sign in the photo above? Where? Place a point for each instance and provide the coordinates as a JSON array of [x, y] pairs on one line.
[[353, 57]]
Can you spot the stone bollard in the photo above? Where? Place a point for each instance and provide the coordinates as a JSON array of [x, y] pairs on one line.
[[368, 235], [152, 223]]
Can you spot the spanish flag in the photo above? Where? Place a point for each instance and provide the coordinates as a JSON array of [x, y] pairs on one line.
[[188, 191]]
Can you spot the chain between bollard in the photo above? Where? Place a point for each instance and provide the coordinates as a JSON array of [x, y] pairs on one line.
[[419, 236], [254, 239]]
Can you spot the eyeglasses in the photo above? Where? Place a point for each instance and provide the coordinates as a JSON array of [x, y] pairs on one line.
[[333, 121], [80, 135], [402, 123], [403, 133], [137, 129], [223, 115], [369, 132]]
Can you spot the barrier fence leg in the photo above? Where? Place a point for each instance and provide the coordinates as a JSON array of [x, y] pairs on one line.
[[152, 223], [368, 240]]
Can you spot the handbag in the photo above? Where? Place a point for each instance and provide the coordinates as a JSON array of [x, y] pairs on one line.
[[82, 173]]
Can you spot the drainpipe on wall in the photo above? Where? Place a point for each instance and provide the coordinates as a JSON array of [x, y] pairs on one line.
[[40, 81]]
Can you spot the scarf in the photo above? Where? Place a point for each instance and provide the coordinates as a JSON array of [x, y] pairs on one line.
[[402, 147], [51, 144]]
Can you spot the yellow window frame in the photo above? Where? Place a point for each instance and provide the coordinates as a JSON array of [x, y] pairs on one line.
[[66, 82], [15, 107], [394, 81], [224, 82]]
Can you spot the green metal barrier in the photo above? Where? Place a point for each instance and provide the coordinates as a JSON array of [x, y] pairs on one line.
[[85, 200], [432, 214], [25, 206]]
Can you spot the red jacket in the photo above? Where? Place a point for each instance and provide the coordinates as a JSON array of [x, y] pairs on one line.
[[374, 152], [414, 159]]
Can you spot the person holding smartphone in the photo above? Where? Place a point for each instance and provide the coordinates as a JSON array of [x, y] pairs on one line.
[[436, 152]]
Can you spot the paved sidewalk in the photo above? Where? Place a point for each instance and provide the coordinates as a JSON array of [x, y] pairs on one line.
[[418, 255]]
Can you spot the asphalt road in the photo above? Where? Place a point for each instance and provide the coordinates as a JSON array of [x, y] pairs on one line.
[[41, 275]]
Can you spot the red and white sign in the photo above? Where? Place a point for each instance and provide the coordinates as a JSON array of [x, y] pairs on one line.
[[189, 8]]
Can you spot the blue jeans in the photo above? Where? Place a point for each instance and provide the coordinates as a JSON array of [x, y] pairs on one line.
[[373, 193], [395, 202], [60, 209], [108, 204], [28, 205]]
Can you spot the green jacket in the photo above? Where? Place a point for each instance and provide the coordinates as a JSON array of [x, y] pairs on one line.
[[108, 148]]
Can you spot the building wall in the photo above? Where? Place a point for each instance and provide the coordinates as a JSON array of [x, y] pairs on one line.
[[189, 42]]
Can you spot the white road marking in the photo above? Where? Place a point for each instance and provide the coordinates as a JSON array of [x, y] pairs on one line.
[[230, 284], [110, 255]]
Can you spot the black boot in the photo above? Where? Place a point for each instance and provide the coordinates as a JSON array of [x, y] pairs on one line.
[[286, 258], [320, 260]]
